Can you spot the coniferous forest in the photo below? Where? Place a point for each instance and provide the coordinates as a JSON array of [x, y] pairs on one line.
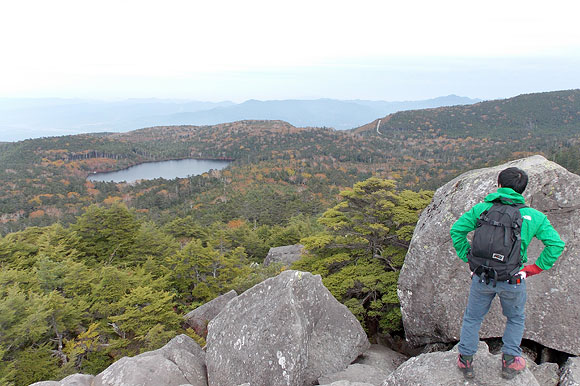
[[93, 271]]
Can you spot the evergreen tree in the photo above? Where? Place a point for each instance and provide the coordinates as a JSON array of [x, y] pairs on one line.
[[373, 215], [107, 234], [145, 315], [363, 248]]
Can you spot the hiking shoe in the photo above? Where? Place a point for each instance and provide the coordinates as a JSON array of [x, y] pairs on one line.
[[465, 364], [512, 366]]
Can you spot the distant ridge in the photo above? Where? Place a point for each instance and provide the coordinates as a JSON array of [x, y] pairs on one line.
[[22, 118], [337, 114], [32, 118], [527, 114]]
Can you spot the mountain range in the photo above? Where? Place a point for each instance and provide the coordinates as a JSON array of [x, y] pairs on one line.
[[32, 118]]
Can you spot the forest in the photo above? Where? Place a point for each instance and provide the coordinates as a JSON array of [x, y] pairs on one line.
[[93, 271], [76, 298]]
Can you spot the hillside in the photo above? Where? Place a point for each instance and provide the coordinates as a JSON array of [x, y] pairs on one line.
[[279, 171], [522, 117]]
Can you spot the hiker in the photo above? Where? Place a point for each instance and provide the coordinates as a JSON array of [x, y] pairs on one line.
[[502, 221]]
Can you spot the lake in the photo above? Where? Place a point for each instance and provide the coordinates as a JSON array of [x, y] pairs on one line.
[[163, 169]]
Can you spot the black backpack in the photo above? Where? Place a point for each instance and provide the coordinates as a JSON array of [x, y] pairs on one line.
[[496, 247]]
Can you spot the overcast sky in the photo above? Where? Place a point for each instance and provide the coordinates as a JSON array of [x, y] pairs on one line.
[[252, 49]]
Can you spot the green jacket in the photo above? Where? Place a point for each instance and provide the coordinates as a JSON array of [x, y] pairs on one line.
[[535, 223]]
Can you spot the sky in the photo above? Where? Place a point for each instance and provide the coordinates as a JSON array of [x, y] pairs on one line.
[[252, 49]]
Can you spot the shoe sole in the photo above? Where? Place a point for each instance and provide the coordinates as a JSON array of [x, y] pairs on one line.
[[468, 374], [509, 374]]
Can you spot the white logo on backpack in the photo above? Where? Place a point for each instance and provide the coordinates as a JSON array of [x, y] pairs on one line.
[[498, 256]]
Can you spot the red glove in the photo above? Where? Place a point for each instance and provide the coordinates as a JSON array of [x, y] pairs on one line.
[[531, 270]]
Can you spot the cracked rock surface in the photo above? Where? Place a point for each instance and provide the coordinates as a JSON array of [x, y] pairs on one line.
[[288, 330], [199, 318], [439, 368]]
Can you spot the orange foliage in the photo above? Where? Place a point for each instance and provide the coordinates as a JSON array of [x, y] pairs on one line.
[[35, 200], [36, 213], [233, 224], [93, 192], [111, 200]]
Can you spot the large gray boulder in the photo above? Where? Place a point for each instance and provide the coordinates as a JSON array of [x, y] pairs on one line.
[[285, 255], [71, 380], [287, 330], [440, 368], [434, 282], [547, 374], [348, 383], [199, 318], [179, 362], [570, 375]]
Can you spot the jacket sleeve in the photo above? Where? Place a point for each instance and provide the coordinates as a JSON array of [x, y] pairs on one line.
[[465, 224], [553, 245]]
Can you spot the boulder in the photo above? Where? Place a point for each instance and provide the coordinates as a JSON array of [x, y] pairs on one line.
[[71, 380], [179, 362], [570, 375], [285, 255], [547, 374], [382, 358], [440, 368], [287, 330], [357, 373], [199, 318], [434, 283], [348, 383]]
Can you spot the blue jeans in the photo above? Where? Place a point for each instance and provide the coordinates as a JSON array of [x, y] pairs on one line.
[[513, 301]]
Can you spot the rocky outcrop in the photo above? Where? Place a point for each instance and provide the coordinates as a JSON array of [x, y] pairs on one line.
[[71, 380], [179, 362], [357, 373], [382, 358], [434, 283], [285, 255], [287, 330], [372, 367], [440, 368], [199, 318], [570, 375]]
